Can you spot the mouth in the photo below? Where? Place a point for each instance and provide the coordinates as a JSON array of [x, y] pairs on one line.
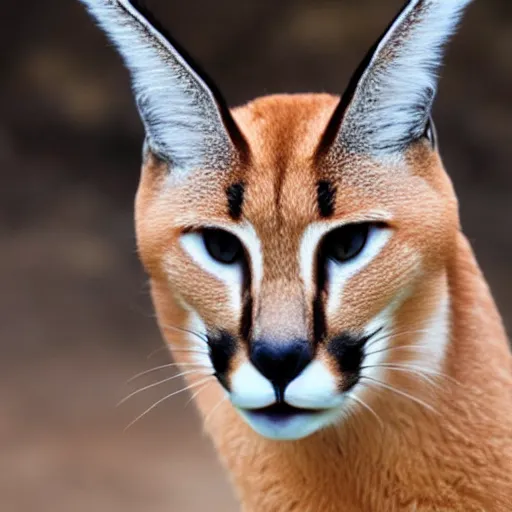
[[281, 421], [282, 412]]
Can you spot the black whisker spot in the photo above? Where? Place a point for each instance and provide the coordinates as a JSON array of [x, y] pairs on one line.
[[222, 348], [347, 350]]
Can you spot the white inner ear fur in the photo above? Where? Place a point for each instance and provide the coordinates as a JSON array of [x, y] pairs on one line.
[[394, 96], [178, 110]]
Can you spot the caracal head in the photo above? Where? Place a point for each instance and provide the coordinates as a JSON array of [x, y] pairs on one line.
[[297, 246]]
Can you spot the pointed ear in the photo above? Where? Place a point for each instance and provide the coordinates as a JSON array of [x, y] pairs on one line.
[[388, 103], [186, 121]]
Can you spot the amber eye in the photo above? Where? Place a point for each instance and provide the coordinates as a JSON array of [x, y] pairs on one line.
[[222, 246], [346, 242]]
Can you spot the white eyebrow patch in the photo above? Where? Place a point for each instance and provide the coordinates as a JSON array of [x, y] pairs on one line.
[[231, 275], [307, 252], [247, 234], [338, 274]]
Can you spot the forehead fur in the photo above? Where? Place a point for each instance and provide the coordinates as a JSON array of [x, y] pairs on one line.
[[281, 179], [285, 128]]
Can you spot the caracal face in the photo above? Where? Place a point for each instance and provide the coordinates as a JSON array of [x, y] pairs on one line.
[[295, 270], [297, 246]]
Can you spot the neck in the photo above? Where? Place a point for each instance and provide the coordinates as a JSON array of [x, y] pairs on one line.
[[456, 454]]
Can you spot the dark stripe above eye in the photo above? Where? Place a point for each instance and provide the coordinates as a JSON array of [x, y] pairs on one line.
[[326, 196], [235, 193]]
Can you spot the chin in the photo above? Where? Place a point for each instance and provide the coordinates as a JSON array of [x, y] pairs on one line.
[[282, 422]]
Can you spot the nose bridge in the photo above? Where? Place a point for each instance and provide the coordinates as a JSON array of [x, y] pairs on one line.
[[281, 312]]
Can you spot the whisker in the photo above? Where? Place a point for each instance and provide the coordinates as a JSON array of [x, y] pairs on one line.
[[157, 350], [395, 335], [411, 329], [172, 348], [168, 365], [420, 369], [400, 392], [367, 407], [199, 391], [182, 329], [209, 416], [419, 348], [190, 350], [158, 402], [149, 386], [411, 371]]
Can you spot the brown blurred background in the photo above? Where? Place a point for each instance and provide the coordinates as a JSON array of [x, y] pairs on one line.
[[75, 319]]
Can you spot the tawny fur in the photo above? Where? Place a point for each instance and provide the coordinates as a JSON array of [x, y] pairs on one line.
[[434, 433], [458, 458]]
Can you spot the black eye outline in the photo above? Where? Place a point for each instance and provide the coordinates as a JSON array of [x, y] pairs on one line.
[[346, 242], [222, 246]]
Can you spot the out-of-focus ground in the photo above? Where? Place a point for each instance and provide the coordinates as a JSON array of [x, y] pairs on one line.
[[75, 319]]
